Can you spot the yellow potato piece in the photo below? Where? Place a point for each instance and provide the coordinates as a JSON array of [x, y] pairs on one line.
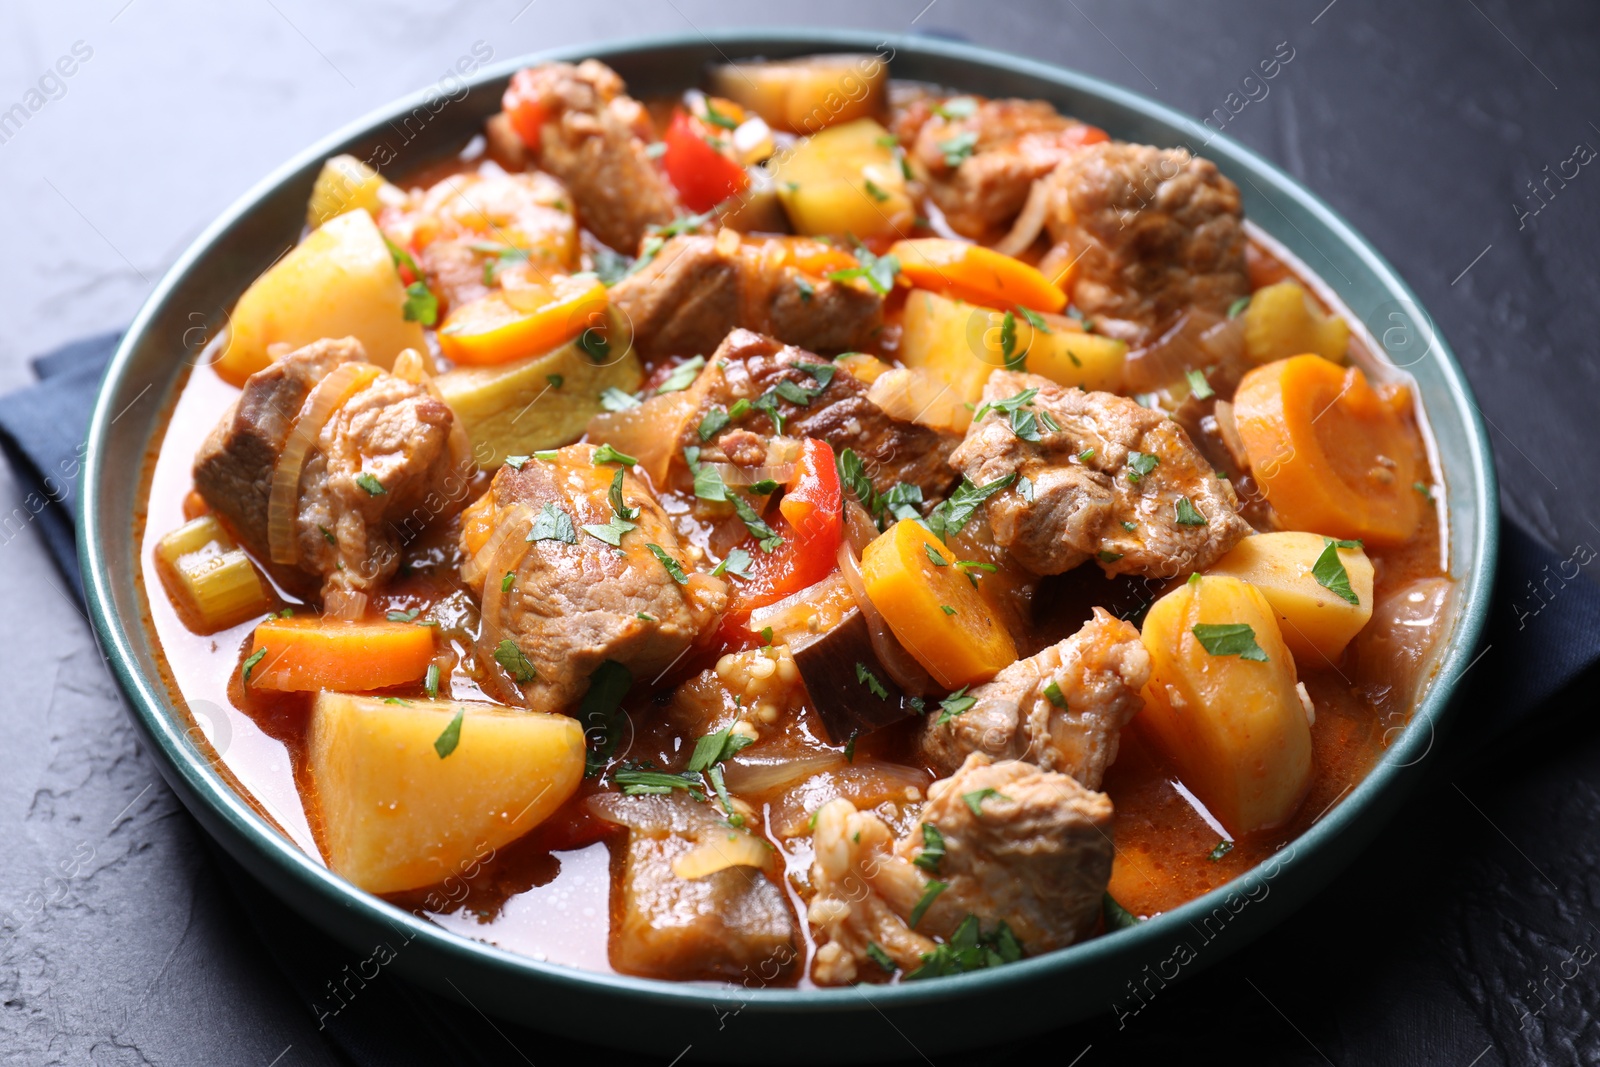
[[344, 184], [1234, 728], [396, 815], [1282, 321], [519, 408], [845, 180], [810, 93], [1316, 622], [961, 343], [339, 282]]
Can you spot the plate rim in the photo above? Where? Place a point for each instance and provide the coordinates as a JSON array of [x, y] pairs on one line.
[[1359, 811]]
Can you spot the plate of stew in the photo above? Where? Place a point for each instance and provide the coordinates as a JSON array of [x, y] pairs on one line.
[[795, 524]]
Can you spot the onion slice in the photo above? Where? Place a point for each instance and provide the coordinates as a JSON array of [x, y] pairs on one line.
[[721, 852], [732, 474], [907, 673], [324, 399], [346, 604], [504, 552], [1029, 222]]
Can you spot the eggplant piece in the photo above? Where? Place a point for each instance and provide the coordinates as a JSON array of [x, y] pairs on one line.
[[844, 679]]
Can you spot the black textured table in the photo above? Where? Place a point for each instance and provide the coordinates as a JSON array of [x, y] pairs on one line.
[[1458, 136]]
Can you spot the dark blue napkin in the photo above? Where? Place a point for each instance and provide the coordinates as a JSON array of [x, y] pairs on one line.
[[1527, 662]]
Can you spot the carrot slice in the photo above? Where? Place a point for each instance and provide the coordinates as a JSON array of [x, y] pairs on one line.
[[528, 321], [304, 653], [911, 578], [1333, 454], [976, 274]]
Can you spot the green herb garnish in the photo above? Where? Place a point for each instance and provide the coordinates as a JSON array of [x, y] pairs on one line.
[[682, 376], [606, 454], [765, 536], [954, 705], [250, 664], [674, 568], [447, 741], [1329, 570], [553, 524], [932, 848], [870, 680], [1141, 464], [1229, 639], [371, 485], [509, 656], [1187, 515], [929, 895]]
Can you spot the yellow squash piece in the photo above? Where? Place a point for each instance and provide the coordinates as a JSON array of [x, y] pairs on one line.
[[542, 402], [1282, 321], [1231, 723], [1317, 622], [339, 282], [961, 343], [845, 180], [912, 578], [402, 809]]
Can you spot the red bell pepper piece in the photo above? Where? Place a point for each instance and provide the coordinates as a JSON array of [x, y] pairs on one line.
[[703, 176], [524, 106]]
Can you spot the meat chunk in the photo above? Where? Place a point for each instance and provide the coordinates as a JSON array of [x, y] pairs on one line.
[[749, 366], [698, 288], [1098, 673], [1116, 481], [1035, 856], [733, 924], [982, 166], [388, 461], [571, 605], [594, 139], [1154, 232], [458, 227]]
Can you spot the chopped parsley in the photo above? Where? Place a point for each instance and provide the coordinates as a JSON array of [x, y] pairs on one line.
[[593, 340], [878, 271], [1199, 388], [1423, 488], [958, 148], [606, 454], [874, 190], [1008, 404], [647, 783], [516, 463], [807, 290], [1141, 464], [1117, 917], [870, 680], [932, 848], [1238, 306], [765, 536], [969, 949], [933, 555], [974, 800], [1035, 320], [1025, 489], [1229, 639], [618, 505], [880, 957], [717, 118], [556, 380], [708, 483], [822, 372], [430, 682], [447, 741], [793, 393], [947, 609], [929, 895], [1086, 455], [1329, 570], [682, 376], [553, 524], [682, 224], [250, 664], [674, 568], [1008, 344], [975, 569], [509, 656], [1107, 556], [714, 748], [850, 747], [610, 266], [854, 476], [371, 485], [421, 305], [499, 256], [713, 422], [327, 535], [1052, 693], [954, 705], [1222, 849], [614, 399], [1129, 526], [765, 487], [404, 616], [957, 107], [949, 517], [1187, 515], [611, 532], [736, 563], [601, 712]]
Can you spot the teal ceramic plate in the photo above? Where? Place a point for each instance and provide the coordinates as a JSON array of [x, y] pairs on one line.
[[741, 1022]]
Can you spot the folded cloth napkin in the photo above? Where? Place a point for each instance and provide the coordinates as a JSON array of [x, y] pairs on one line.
[[42, 428]]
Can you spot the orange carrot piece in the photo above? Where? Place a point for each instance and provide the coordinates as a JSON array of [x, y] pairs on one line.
[[527, 321], [1333, 454], [976, 274], [304, 653]]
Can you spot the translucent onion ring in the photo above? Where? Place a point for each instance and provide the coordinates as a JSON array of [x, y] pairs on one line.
[[324, 399], [503, 552], [908, 674]]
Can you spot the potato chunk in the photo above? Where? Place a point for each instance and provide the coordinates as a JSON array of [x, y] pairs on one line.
[[1282, 321], [845, 180], [345, 184], [1316, 612], [402, 809], [339, 282], [805, 95], [1223, 705]]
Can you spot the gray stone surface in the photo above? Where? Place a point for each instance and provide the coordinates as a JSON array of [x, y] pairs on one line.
[[1421, 123]]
